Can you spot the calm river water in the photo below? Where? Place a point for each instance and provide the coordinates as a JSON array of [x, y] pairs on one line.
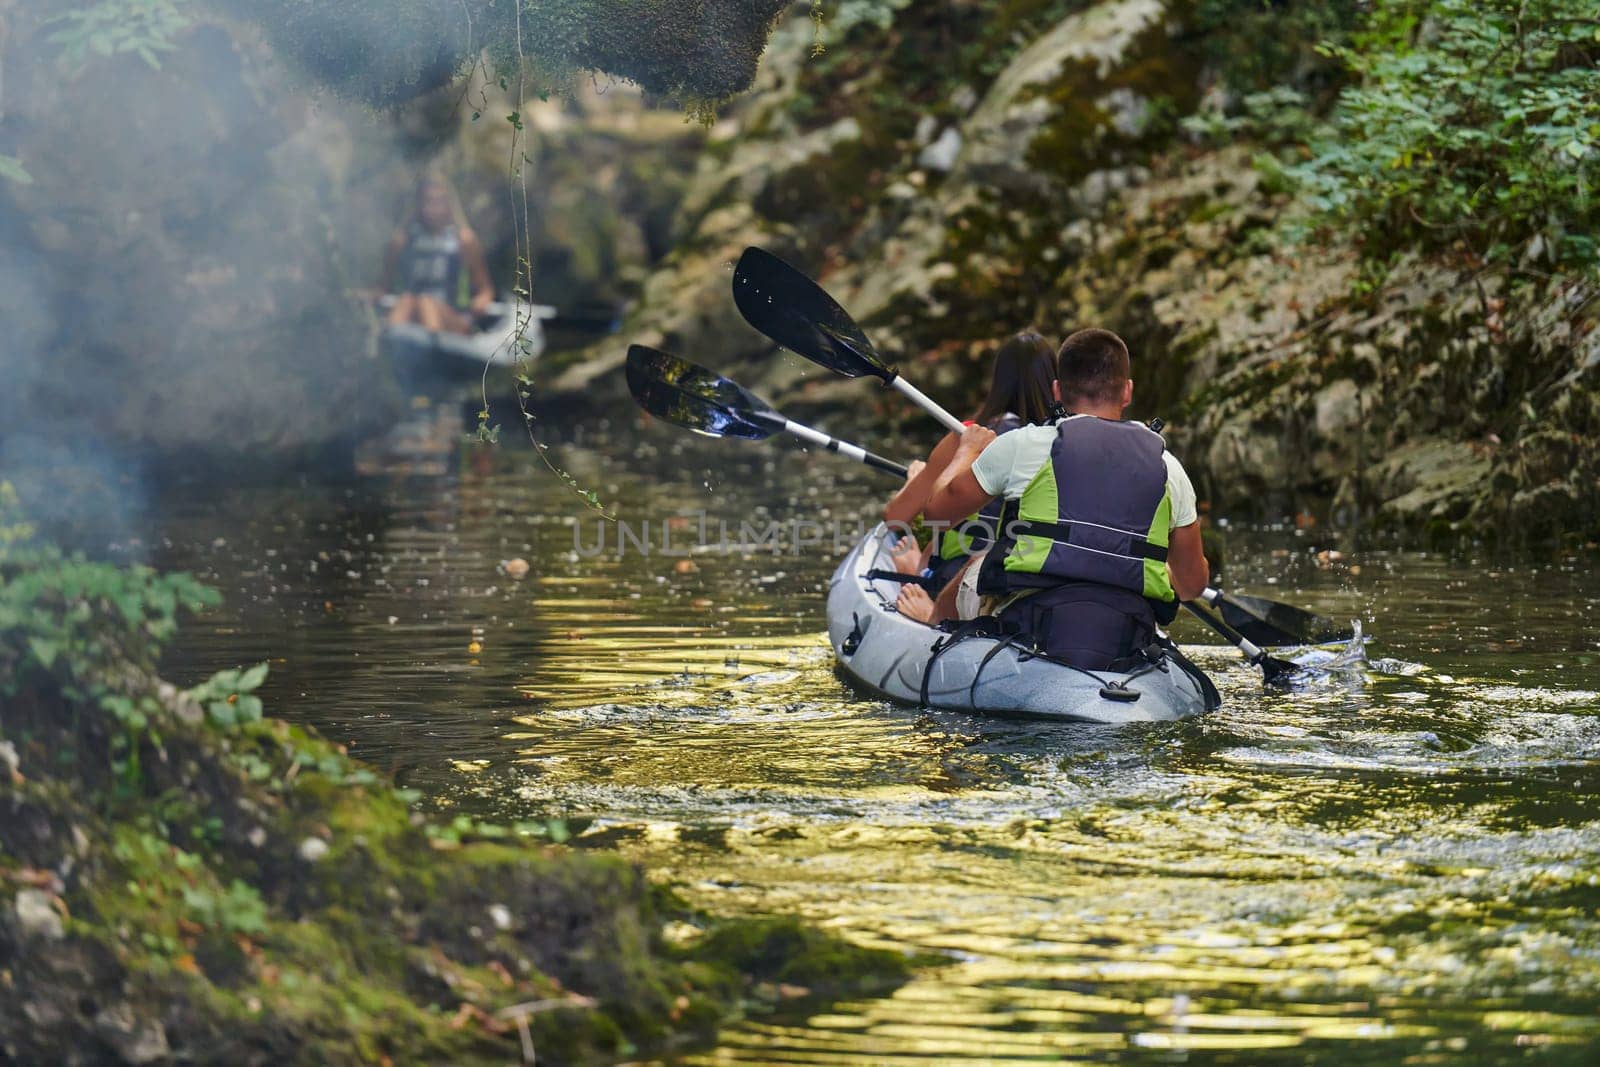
[[1399, 867]]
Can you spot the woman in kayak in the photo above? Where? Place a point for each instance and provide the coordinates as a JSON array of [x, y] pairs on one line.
[[435, 266], [1019, 394]]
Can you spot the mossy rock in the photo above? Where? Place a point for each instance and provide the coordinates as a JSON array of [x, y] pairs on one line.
[[787, 951], [388, 52]]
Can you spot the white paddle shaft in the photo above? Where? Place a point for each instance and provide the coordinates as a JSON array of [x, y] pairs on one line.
[[844, 448], [918, 398], [822, 440]]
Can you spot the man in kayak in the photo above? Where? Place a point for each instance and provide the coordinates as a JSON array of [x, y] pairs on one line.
[[1104, 538], [1019, 394], [432, 261]]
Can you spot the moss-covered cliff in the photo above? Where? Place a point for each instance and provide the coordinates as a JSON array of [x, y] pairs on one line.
[[386, 52], [983, 166]]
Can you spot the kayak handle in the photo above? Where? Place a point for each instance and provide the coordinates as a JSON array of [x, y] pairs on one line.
[[852, 642]]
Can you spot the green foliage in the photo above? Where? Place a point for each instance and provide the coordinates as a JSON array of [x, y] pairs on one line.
[[1276, 116], [158, 872], [1259, 45], [11, 169], [1475, 125], [105, 28], [228, 696], [97, 628]]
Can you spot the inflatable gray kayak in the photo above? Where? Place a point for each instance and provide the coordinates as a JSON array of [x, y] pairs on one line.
[[890, 655]]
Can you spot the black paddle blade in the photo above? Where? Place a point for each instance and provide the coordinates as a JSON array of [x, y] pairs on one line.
[[794, 311], [1278, 672], [1269, 622], [692, 397]]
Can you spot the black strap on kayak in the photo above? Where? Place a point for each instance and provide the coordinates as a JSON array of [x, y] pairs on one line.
[[927, 582], [927, 669], [1208, 688], [990, 626], [1009, 641], [982, 626]]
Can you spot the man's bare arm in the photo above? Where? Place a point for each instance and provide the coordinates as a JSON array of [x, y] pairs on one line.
[[1186, 562], [907, 503], [957, 493]]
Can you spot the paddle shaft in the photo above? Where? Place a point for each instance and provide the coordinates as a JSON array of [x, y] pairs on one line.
[[1251, 652], [1274, 671], [919, 398], [844, 448]]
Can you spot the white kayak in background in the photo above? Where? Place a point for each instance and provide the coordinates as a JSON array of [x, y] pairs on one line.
[[508, 333]]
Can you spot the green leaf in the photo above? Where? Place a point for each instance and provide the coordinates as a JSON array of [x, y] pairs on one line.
[[252, 678], [44, 650], [248, 709], [11, 169], [222, 713]]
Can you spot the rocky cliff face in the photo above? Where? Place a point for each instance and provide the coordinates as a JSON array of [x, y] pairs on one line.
[[971, 171]]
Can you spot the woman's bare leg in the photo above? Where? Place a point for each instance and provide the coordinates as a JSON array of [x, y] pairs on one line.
[[404, 310], [907, 555], [945, 606], [440, 317]]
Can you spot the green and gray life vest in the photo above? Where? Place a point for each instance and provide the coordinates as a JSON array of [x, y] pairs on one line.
[[976, 532], [432, 265], [1099, 511]]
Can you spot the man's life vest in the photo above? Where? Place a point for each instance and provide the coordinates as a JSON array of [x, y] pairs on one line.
[[976, 532], [431, 265], [1098, 512]]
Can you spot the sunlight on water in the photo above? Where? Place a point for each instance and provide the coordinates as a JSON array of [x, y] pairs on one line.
[[1395, 865]]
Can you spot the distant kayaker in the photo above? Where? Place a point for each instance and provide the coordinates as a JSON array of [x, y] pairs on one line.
[[435, 265], [1105, 538], [1020, 387]]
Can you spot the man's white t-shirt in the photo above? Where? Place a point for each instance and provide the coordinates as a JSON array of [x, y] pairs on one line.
[[1013, 459]]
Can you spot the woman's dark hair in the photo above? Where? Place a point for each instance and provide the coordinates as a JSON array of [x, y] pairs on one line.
[[1024, 367]]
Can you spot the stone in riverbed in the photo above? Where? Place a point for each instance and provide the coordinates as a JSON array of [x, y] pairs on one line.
[[135, 1040], [37, 916]]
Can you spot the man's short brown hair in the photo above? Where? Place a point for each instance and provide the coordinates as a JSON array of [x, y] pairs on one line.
[[1093, 366]]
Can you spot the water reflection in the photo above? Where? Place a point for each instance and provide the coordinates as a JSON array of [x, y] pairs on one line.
[[1395, 867]]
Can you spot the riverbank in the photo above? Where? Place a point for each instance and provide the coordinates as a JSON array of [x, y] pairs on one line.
[[182, 879]]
